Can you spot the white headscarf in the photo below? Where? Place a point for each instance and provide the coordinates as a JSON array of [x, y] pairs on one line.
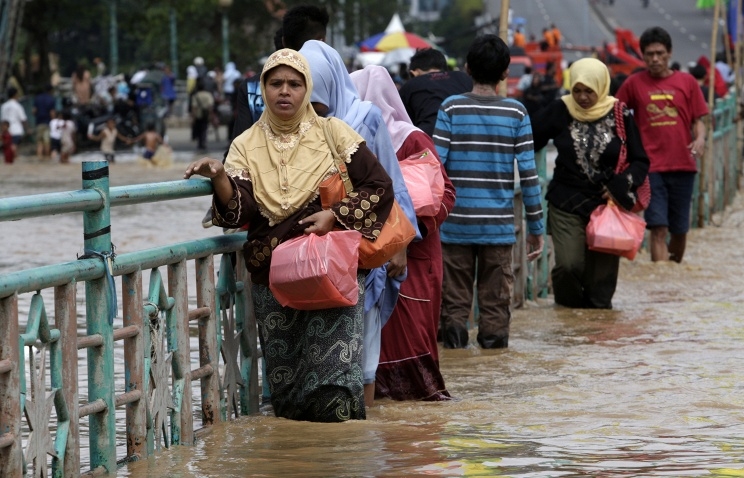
[[332, 84], [191, 72]]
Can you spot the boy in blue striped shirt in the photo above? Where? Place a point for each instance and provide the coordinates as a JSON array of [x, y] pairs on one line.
[[478, 136]]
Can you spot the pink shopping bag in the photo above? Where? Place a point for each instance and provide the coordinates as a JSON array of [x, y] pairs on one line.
[[423, 176], [614, 230], [316, 272]]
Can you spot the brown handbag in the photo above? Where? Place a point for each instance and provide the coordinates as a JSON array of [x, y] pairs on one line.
[[396, 233]]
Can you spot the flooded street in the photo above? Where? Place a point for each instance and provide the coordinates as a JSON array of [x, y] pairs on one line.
[[654, 387]]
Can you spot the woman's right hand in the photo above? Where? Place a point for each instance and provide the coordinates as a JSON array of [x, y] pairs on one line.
[[207, 167], [213, 169]]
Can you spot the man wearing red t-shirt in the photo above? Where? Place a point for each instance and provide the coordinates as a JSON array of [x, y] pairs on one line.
[[668, 107]]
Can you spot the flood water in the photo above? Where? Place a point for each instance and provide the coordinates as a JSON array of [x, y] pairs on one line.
[[654, 387]]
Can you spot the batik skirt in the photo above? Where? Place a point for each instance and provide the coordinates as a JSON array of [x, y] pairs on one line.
[[313, 358]]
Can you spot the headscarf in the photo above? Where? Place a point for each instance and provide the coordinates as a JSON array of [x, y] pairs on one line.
[[594, 74], [375, 84], [305, 113], [287, 159], [333, 86], [191, 72]]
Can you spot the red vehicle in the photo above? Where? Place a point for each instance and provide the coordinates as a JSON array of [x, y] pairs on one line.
[[541, 58], [531, 55], [517, 67], [624, 56]]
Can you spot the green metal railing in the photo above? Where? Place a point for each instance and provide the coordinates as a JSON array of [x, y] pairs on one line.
[[538, 271], [721, 172], [155, 334]]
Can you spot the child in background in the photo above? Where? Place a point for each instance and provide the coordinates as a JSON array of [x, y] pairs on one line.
[[56, 125], [152, 140], [108, 137], [67, 139], [9, 150]]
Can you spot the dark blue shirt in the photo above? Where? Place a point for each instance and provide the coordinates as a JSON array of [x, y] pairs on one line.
[[168, 87], [44, 104]]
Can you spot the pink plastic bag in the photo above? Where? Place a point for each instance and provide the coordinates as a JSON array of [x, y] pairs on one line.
[[614, 230], [316, 272], [423, 176]]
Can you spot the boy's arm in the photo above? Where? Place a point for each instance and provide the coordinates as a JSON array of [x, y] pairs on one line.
[[528, 177], [442, 135], [121, 137]]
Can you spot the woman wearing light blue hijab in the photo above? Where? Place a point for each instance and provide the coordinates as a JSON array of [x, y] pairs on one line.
[[335, 95]]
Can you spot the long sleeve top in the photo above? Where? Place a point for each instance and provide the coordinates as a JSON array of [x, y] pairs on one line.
[[478, 139], [367, 176], [587, 157]]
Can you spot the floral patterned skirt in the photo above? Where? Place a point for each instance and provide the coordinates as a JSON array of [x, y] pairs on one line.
[[313, 358]]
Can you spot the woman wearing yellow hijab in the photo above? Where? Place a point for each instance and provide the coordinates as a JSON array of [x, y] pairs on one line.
[[583, 129], [270, 181]]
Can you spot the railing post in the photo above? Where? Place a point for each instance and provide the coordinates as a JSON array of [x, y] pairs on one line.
[[209, 352], [182, 422], [65, 316], [246, 322], [97, 239], [519, 253], [133, 313], [11, 454]]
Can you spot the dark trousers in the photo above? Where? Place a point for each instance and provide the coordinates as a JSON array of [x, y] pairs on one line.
[[581, 278], [200, 132], [495, 282]]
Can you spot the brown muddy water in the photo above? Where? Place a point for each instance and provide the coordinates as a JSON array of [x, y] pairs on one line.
[[654, 387]]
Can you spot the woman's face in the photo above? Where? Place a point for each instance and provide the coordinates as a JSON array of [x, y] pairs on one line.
[[285, 89], [584, 96]]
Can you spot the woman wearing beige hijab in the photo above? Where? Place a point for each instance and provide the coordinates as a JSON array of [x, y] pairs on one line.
[[270, 182], [584, 131]]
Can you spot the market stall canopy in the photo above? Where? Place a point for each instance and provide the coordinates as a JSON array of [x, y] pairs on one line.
[[394, 37]]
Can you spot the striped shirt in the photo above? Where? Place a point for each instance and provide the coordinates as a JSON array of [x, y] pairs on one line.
[[478, 139]]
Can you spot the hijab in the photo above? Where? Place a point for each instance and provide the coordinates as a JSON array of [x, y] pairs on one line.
[[286, 160], [333, 85], [375, 84], [594, 74]]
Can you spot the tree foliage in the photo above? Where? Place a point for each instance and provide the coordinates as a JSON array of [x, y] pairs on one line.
[[77, 31], [456, 25]]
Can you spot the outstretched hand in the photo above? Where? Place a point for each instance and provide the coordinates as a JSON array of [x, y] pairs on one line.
[[207, 167]]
